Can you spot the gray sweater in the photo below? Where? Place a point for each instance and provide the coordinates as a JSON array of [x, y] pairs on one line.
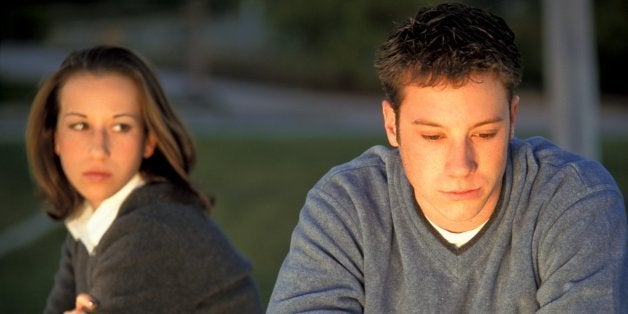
[[161, 255], [555, 243]]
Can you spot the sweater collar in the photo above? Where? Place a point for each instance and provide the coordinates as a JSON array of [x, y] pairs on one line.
[[89, 225]]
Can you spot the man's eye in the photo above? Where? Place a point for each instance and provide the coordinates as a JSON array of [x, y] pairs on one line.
[[121, 127], [79, 126], [431, 137], [486, 135]]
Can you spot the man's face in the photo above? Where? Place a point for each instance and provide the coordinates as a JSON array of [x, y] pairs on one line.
[[453, 145]]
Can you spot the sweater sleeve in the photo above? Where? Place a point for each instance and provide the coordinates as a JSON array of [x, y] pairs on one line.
[[63, 293], [152, 264], [324, 267], [582, 257]]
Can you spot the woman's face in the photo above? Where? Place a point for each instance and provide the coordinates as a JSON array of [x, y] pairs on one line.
[[100, 136]]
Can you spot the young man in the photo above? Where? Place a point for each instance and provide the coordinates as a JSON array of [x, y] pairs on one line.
[[459, 216]]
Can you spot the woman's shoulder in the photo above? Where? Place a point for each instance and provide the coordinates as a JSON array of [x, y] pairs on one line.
[[164, 205], [165, 216], [160, 194], [163, 240]]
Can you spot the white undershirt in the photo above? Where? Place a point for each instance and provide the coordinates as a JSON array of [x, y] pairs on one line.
[[457, 238], [89, 225]]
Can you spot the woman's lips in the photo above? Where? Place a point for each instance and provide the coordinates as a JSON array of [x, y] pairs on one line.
[[460, 195], [96, 176]]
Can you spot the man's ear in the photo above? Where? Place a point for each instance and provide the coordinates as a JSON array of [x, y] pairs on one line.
[[390, 123], [514, 108], [149, 145]]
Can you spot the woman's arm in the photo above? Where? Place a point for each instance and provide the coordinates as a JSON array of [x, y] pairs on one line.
[[63, 293], [169, 261]]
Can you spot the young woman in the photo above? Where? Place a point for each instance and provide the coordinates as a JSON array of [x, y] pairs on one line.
[[112, 160]]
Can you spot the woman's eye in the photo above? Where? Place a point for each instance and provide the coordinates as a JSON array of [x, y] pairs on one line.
[[122, 127], [78, 126]]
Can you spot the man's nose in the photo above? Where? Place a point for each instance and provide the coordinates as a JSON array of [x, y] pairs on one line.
[[461, 158]]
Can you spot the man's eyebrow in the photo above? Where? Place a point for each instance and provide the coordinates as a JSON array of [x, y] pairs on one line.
[[426, 123], [489, 121], [436, 125]]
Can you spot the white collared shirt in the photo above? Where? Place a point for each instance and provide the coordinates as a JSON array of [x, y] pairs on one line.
[[89, 225]]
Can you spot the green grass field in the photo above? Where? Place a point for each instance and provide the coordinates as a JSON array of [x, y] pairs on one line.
[[259, 184]]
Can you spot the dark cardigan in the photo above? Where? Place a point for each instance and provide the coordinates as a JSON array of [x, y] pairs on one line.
[[161, 255]]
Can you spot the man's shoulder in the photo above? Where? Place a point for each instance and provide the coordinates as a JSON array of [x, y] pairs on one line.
[[551, 160], [370, 179], [375, 161], [544, 151]]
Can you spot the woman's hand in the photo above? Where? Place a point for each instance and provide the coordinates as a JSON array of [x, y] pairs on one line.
[[84, 304]]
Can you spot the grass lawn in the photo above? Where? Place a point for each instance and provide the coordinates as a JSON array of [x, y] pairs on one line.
[[259, 184]]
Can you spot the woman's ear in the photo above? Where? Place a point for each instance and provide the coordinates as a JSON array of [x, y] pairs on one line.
[[149, 145], [390, 123]]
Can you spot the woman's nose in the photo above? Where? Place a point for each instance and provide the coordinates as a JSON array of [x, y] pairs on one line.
[[99, 143]]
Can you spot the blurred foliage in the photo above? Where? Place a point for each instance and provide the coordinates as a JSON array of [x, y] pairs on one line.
[[332, 39], [329, 43], [612, 37], [25, 20], [11, 91], [336, 41], [30, 19]]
